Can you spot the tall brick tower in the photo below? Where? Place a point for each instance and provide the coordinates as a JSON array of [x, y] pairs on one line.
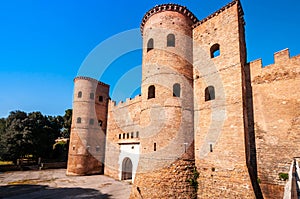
[[89, 120], [167, 99], [224, 145]]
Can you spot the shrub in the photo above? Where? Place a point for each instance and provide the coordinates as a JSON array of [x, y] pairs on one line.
[[283, 176]]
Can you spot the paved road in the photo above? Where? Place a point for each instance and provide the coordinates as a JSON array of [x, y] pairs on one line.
[[55, 184]]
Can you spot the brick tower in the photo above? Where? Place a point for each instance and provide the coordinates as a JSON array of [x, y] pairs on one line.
[[224, 145], [89, 120], [167, 100]]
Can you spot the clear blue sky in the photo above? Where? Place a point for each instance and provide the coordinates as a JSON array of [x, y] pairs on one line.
[[44, 42]]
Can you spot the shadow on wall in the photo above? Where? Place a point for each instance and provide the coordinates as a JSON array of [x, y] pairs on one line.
[[43, 191]]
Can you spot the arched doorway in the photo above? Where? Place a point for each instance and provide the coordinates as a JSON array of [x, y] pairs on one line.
[[126, 169]]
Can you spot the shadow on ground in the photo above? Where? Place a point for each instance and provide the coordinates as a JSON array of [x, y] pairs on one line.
[[43, 191]]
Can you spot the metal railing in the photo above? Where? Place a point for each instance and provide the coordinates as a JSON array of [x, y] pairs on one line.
[[295, 192]]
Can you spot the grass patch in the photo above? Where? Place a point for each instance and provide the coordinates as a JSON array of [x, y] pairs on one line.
[[31, 181], [27, 181], [6, 163]]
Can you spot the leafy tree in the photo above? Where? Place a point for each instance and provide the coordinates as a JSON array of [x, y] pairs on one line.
[[2, 136], [43, 134], [67, 118], [32, 134], [16, 136]]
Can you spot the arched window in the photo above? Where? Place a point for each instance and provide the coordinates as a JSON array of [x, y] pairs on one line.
[[171, 40], [79, 120], [92, 95], [79, 94], [215, 51], [176, 90], [151, 92], [209, 93], [150, 44], [100, 122]]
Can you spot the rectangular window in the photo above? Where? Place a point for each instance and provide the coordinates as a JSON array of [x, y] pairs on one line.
[[154, 146], [91, 121], [100, 98], [91, 95], [132, 135]]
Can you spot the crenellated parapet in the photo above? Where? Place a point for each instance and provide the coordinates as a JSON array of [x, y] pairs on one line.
[[129, 101], [168, 7], [284, 67], [240, 10]]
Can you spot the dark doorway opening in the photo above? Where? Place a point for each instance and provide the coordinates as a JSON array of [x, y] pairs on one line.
[[126, 169]]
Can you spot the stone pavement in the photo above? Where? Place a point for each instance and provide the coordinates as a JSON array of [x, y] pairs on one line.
[[55, 184]]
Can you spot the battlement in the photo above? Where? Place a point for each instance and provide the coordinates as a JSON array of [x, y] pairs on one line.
[[90, 79], [128, 102], [284, 67], [241, 12], [168, 7]]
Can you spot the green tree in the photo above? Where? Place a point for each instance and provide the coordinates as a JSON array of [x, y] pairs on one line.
[[16, 137], [43, 134], [2, 136], [31, 134], [67, 118]]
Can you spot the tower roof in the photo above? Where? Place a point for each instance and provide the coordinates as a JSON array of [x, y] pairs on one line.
[[90, 79], [168, 7]]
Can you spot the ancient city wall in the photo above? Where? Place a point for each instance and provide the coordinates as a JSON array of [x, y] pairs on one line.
[[87, 139], [122, 129], [276, 99], [220, 149], [174, 181]]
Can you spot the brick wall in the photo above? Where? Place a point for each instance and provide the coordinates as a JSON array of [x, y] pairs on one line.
[[87, 139], [172, 181], [277, 118], [123, 120], [220, 134]]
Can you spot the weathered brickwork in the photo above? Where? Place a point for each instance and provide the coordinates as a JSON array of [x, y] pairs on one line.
[[219, 124], [87, 141], [277, 118], [124, 119], [173, 181], [207, 124]]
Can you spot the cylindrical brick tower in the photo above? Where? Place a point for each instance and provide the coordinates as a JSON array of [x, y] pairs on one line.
[[87, 140], [166, 134], [167, 85]]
